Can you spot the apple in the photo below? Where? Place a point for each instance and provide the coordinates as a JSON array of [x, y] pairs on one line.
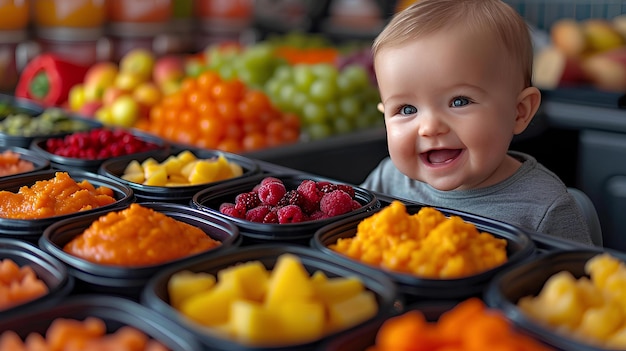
[[147, 94], [124, 111], [168, 68], [601, 35], [607, 70], [553, 68], [76, 97], [98, 77], [128, 81], [568, 35], [89, 108], [138, 61], [111, 94], [103, 115]]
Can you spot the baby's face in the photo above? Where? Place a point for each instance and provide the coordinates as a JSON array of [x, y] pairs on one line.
[[450, 102]]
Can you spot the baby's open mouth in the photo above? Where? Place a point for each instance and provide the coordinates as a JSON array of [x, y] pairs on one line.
[[442, 156]]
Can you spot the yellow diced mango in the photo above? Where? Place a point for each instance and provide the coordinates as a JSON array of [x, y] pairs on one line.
[[337, 289], [149, 162], [289, 280], [184, 284], [252, 276], [134, 177], [187, 169], [173, 165], [186, 156], [301, 321], [252, 323], [350, 312], [212, 307], [156, 177], [204, 171], [133, 167]]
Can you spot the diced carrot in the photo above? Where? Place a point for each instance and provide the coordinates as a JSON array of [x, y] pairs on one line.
[[9, 271], [131, 338], [10, 341], [36, 342]]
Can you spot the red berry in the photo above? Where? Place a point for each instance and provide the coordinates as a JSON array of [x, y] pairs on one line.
[[290, 214], [257, 214], [336, 203], [270, 193]]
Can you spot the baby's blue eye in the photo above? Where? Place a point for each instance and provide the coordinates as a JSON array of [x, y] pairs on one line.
[[460, 101], [408, 110]]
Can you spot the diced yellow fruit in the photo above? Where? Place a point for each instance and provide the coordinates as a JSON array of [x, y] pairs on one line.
[[204, 171], [186, 156], [137, 177], [184, 284], [133, 167], [213, 306], [318, 277], [350, 312], [301, 321], [157, 178], [334, 290], [289, 280], [150, 169], [235, 169], [223, 170], [178, 179], [173, 165], [252, 276], [252, 323], [148, 162], [187, 169]]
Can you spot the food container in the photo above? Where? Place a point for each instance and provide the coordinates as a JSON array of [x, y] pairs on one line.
[[528, 279], [10, 104], [114, 169], [53, 272], [212, 197], [92, 165], [62, 122], [114, 311], [128, 281], [519, 248], [39, 162], [156, 297], [31, 229]]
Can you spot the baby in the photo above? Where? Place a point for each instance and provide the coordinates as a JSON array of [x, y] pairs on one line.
[[455, 83]]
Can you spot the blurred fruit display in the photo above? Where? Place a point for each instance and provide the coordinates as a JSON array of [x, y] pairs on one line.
[[584, 52]]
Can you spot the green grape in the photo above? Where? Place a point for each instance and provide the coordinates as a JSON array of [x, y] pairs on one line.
[[325, 71], [303, 77], [350, 107], [313, 114], [323, 90], [342, 125], [357, 76]]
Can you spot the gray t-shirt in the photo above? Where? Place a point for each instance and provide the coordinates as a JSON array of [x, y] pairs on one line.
[[533, 198]]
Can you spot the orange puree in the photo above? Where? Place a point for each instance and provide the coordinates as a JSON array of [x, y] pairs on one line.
[[54, 197], [138, 236]]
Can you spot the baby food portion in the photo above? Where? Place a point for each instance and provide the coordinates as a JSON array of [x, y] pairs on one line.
[[57, 196], [11, 163], [588, 309], [18, 284], [259, 307], [183, 169], [426, 244], [138, 236], [88, 334], [271, 202]]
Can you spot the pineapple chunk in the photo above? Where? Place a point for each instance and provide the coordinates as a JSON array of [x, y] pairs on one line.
[[133, 167], [235, 169], [184, 284], [186, 157], [134, 177], [348, 313], [337, 289], [253, 324], [301, 321], [188, 168], [149, 162], [173, 165], [156, 177], [212, 307], [289, 280], [204, 171], [252, 276], [223, 170]]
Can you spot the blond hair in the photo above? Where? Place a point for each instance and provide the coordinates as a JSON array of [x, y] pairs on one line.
[[484, 17]]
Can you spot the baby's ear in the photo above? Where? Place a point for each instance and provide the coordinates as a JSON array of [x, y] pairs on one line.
[[528, 102]]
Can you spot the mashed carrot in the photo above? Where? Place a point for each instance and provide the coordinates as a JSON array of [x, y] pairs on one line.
[[54, 197], [427, 244], [18, 284], [138, 236], [89, 334], [11, 163]]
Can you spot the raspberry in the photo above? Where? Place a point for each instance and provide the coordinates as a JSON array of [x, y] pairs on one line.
[[267, 180], [356, 205], [229, 209], [309, 190], [293, 197], [336, 203], [326, 187], [257, 214], [317, 215], [290, 214], [271, 216], [246, 201], [347, 188], [270, 193]]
